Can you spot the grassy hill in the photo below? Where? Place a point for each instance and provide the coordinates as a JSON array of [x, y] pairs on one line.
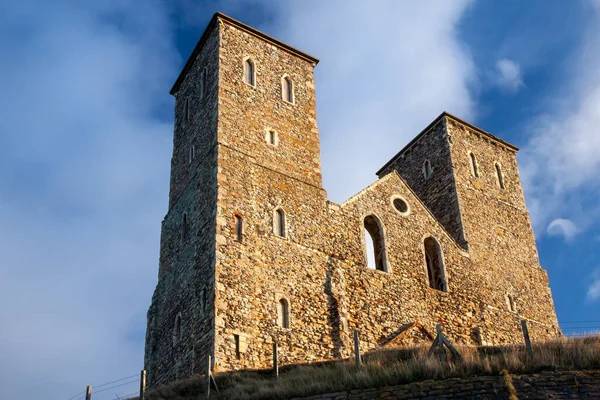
[[388, 367]]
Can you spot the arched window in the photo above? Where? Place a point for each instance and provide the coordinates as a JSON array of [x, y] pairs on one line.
[[474, 165], [427, 169], [184, 227], [435, 265], [238, 228], [283, 313], [249, 75], [499, 176], [374, 241], [279, 222], [287, 89], [177, 329]]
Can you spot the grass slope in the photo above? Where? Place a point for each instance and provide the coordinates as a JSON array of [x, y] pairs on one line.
[[389, 367]]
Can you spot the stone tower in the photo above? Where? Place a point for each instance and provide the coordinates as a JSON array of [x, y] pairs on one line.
[[253, 252]]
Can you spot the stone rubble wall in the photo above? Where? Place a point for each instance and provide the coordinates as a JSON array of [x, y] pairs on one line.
[[545, 385], [186, 266], [320, 266]]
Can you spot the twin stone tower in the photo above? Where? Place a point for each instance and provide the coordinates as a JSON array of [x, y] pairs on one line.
[[252, 252]]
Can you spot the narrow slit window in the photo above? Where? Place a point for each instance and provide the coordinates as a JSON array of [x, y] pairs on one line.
[[249, 76], [177, 329], [474, 165], [203, 299], [511, 303], [272, 137], [236, 338], [499, 176], [283, 313], [279, 223], [192, 153], [238, 228], [186, 110], [184, 227], [435, 265], [427, 169], [287, 89], [202, 88], [204, 81], [374, 241]]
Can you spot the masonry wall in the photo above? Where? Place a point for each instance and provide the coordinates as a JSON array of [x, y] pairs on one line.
[[545, 385], [227, 290], [497, 227], [186, 264], [438, 191]]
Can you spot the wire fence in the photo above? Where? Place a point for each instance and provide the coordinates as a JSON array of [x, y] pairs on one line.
[[120, 386], [569, 329]]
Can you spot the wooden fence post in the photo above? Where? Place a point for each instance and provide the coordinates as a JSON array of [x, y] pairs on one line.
[[142, 385], [526, 337], [88, 393], [356, 349], [275, 362], [208, 364], [438, 329]]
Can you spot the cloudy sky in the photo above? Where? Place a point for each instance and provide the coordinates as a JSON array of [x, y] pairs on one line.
[[86, 137]]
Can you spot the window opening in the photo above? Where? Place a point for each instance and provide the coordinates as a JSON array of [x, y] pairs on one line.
[[283, 313], [272, 138], [287, 90], [435, 265], [427, 169], [186, 110], [192, 153], [474, 165], [249, 72], [279, 225], [204, 81], [238, 228], [511, 303], [237, 346], [375, 243], [400, 205], [177, 329], [184, 227], [499, 176]]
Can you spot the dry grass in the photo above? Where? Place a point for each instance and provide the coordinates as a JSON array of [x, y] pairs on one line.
[[390, 367]]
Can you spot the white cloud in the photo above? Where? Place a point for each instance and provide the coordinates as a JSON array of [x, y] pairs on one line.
[[508, 75], [89, 158], [593, 292], [560, 162], [383, 76], [87, 188], [562, 227]]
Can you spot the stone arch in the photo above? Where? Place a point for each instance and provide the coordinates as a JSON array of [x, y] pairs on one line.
[[249, 71], [474, 168], [434, 264], [177, 328], [238, 227], [279, 222], [499, 176], [283, 313], [373, 229], [427, 169], [287, 89]]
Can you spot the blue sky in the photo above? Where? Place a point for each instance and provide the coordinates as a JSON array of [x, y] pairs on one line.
[[86, 139]]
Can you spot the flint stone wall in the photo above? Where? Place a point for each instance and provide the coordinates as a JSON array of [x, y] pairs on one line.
[[320, 266], [545, 385]]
